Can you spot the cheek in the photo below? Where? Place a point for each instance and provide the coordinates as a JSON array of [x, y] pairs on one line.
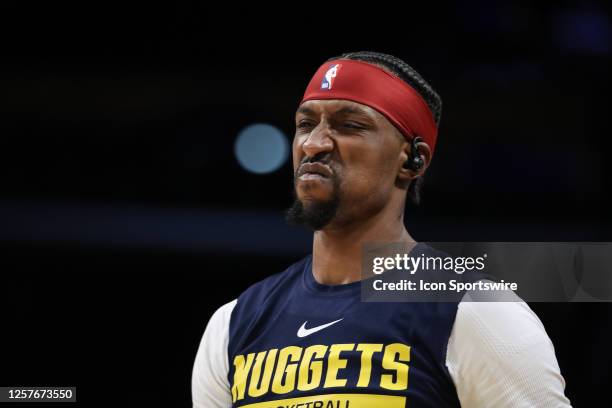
[[369, 174], [296, 153]]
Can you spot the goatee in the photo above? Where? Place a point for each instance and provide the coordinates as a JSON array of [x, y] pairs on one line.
[[316, 215]]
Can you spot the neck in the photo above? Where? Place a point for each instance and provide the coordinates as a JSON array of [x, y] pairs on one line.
[[337, 251]]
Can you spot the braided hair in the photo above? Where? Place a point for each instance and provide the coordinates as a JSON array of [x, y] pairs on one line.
[[409, 75]]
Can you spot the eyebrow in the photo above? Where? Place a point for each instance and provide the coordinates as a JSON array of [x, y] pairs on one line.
[[305, 111]]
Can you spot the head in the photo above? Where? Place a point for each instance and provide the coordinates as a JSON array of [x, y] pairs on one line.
[[349, 159]]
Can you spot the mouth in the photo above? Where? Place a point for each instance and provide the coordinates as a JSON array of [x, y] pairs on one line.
[[314, 171], [312, 177]]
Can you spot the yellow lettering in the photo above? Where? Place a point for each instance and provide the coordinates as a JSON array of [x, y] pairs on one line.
[[310, 365], [367, 351], [308, 368], [255, 388], [287, 368], [241, 375], [335, 363], [389, 362]]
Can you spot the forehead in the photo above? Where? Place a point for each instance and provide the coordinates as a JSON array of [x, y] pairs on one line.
[[337, 107]]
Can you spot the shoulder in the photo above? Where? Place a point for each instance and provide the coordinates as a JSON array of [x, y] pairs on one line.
[[221, 316], [499, 354], [217, 329], [209, 382], [490, 323], [261, 297]]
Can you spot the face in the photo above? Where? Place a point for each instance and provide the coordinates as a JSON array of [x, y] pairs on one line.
[[346, 158]]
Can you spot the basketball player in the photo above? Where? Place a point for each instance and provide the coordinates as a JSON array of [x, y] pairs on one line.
[[366, 131]]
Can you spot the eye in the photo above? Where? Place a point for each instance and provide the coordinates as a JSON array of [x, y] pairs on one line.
[[304, 124], [352, 125]]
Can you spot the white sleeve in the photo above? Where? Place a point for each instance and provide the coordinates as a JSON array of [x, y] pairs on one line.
[[499, 355], [209, 384]]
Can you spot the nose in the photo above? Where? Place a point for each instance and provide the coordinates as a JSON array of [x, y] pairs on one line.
[[318, 141]]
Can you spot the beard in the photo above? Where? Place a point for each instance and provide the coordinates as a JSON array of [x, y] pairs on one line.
[[317, 214]]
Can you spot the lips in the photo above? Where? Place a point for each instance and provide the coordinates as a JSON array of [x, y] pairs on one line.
[[318, 169]]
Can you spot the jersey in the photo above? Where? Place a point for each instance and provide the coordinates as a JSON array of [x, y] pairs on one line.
[[289, 341]]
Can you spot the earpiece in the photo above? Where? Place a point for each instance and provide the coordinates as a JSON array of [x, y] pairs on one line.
[[415, 162]]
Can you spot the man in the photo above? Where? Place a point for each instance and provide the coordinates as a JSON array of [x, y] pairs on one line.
[[366, 131]]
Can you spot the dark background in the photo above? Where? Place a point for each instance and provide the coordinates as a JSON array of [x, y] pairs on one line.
[[125, 219]]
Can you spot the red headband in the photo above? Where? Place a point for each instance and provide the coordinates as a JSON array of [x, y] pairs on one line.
[[369, 85]]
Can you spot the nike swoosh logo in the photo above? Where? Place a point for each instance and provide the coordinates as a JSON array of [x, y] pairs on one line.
[[303, 331]]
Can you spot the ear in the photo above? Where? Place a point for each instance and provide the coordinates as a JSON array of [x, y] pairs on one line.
[[406, 175]]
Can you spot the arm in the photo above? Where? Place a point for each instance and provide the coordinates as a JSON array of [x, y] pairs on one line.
[[499, 355], [209, 384]]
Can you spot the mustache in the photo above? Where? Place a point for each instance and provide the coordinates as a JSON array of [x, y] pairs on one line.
[[323, 158]]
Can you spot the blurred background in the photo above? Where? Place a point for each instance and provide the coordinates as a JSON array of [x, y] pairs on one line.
[[145, 168]]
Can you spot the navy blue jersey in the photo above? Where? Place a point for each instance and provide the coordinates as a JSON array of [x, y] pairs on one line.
[[294, 341]]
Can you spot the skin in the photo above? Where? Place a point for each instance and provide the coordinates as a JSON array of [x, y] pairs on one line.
[[366, 153]]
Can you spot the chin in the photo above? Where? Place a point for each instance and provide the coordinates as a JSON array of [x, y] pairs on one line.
[[316, 195], [312, 199]]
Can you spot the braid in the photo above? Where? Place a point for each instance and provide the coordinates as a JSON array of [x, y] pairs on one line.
[[405, 72], [409, 75]]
